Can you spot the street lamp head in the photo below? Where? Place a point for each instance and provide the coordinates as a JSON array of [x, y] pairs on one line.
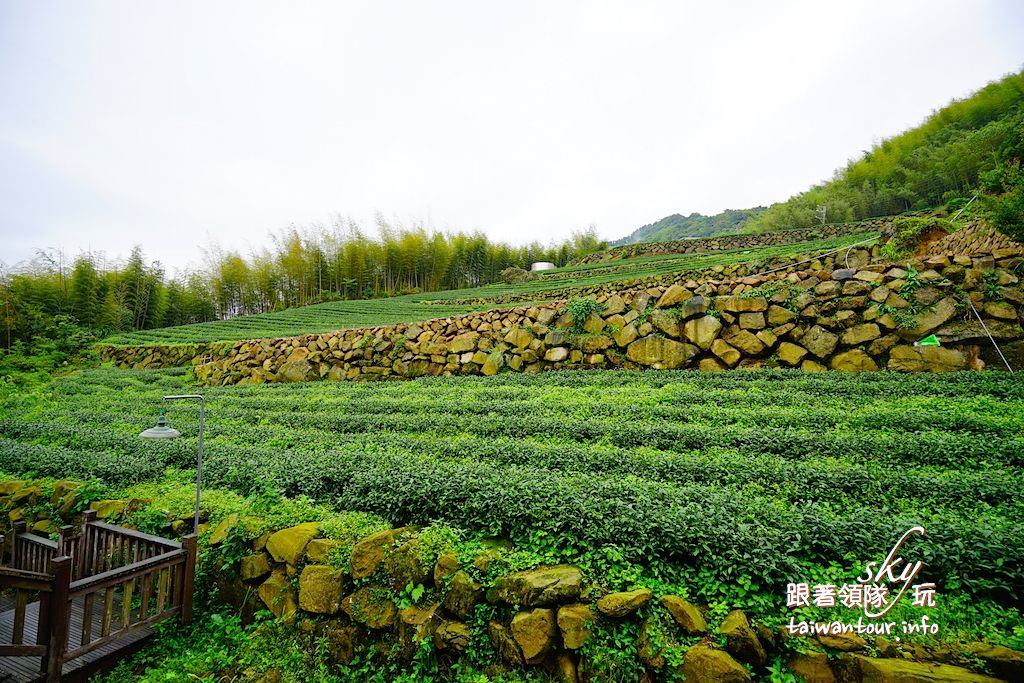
[[161, 430]]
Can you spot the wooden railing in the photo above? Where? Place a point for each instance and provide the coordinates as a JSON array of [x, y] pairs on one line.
[[32, 553], [118, 581], [29, 580], [27, 587]]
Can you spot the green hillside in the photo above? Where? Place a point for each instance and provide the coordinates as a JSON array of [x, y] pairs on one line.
[[314, 319], [776, 444], [938, 162], [941, 161], [715, 483], [678, 227]]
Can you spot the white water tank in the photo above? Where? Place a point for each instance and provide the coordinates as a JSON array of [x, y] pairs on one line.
[[542, 265]]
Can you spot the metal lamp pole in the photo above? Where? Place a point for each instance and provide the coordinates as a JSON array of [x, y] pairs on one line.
[[162, 431], [199, 458]]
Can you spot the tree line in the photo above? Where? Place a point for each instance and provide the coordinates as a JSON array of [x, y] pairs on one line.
[[87, 297], [679, 227]]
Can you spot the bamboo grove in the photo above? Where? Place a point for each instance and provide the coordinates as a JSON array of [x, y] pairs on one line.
[[316, 264]]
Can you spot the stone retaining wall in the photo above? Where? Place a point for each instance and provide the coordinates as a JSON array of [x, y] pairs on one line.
[[853, 257], [163, 355], [840, 319], [975, 239]]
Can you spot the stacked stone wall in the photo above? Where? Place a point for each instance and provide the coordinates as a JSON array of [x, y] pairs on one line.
[[835, 318], [845, 258]]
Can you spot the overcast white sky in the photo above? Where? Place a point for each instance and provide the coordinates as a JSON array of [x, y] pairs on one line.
[[176, 124]]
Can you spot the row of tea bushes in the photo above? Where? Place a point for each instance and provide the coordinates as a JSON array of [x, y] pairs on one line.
[[735, 268]]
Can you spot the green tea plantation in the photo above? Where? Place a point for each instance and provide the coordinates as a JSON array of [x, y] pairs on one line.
[[732, 483]]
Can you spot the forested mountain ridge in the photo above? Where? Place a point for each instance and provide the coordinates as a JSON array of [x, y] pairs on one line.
[[941, 161], [678, 227]]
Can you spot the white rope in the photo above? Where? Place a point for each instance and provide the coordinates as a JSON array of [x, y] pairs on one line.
[[957, 214], [990, 337]]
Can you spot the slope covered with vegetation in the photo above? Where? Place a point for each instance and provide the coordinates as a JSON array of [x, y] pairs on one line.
[[723, 487], [971, 145], [678, 227], [938, 162], [667, 437]]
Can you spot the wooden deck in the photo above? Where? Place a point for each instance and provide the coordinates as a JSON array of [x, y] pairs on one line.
[[27, 669], [75, 605]]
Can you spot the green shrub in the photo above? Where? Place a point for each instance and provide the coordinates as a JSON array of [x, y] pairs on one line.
[[1004, 206], [907, 231], [581, 309]]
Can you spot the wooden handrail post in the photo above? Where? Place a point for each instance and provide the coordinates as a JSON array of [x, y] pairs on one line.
[[60, 615], [88, 517], [68, 547], [188, 544], [3, 549], [64, 545], [43, 628], [17, 529]]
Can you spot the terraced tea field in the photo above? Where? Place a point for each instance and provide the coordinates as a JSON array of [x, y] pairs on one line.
[[336, 315], [595, 274], [670, 263], [743, 479], [341, 315]]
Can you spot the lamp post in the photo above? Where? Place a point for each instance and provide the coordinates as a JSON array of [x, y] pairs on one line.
[[164, 431]]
